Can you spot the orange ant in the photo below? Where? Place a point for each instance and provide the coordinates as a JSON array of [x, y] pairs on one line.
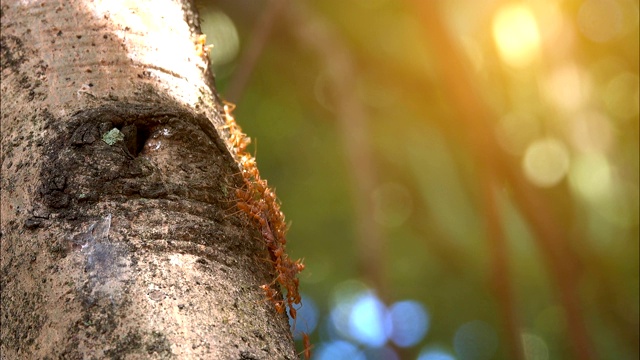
[[268, 291], [280, 307], [228, 107], [201, 48], [270, 294], [307, 346]]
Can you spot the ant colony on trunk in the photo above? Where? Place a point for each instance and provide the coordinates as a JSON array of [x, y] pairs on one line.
[[261, 205]]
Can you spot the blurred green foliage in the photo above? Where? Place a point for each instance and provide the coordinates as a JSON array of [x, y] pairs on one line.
[[577, 86]]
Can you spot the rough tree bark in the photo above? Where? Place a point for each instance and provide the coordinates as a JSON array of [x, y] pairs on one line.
[[119, 238]]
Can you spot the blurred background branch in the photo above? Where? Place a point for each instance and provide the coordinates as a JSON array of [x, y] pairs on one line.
[[476, 120], [353, 125], [257, 41]]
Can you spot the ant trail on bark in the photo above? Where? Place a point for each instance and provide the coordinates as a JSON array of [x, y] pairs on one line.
[[259, 202]]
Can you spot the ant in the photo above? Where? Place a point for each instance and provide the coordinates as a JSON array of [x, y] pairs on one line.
[[201, 48], [307, 345]]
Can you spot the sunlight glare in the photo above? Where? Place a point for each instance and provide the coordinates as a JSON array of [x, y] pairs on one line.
[[516, 34], [144, 36]]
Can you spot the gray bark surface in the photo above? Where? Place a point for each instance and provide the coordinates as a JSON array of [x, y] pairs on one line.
[[119, 235]]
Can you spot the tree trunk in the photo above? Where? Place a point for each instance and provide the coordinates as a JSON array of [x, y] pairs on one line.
[[120, 237]]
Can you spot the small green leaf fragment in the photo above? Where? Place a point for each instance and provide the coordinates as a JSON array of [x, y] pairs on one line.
[[113, 136]]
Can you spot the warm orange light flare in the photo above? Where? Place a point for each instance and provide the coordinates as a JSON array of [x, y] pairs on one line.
[[516, 34]]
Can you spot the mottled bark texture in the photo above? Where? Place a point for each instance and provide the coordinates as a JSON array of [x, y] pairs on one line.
[[119, 234]]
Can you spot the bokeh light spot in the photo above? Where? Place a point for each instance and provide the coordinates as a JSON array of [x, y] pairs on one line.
[[590, 176], [338, 350], [591, 132], [348, 291], [357, 314], [546, 162], [516, 34], [535, 348], [306, 319], [435, 354], [344, 295], [222, 34], [410, 323], [600, 20], [368, 321], [475, 340], [567, 87]]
